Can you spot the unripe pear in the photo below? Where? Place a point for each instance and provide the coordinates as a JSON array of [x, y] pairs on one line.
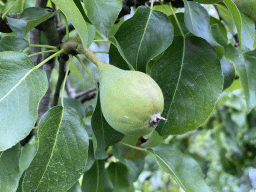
[[131, 101]]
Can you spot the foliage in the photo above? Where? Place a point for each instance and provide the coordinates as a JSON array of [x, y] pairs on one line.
[[203, 63]]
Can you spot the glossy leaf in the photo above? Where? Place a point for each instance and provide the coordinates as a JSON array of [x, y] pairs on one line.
[[120, 177], [18, 99], [183, 169], [245, 66], [29, 18], [96, 179], [103, 13], [147, 34], [62, 152], [105, 135], [9, 169], [12, 43], [189, 74], [85, 30], [197, 21]]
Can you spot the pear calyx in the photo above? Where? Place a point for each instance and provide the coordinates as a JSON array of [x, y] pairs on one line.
[[155, 119]]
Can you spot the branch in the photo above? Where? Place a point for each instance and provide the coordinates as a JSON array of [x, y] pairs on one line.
[[62, 61]]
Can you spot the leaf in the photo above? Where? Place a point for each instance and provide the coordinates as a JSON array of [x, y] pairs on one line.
[[120, 177], [217, 35], [62, 152], [245, 26], [26, 156], [90, 160], [75, 188], [147, 34], [96, 179], [9, 169], [29, 18], [22, 86], [244, 63], [116, 59], [189, 74], [12, 43], [103, 13], [105, 135], [180, 17], [248, 7], [228, 71], [135, 166], [197, 21], [85, 30], [75, 104], [183, 169]]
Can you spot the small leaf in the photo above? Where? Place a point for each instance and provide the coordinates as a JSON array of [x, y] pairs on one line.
[[9, 169], [120, 177], [103, 13], [62, 152], [96, 179], [147, 34], [12, 43], [22, 87], [85, 30], [197, 21], [29, 18], [183, 169], [189, 74], [105, 135]]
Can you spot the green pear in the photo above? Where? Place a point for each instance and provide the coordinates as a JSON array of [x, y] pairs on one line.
[[131, 101]]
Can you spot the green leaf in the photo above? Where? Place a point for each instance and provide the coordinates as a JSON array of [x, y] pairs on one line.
[[245, 26], [62, 152], [189, 74], [228, 71], [227, 17], [75, 104], [217, 35], [105, 135], [147, 34], [103, 13], [244, 63], [85, 30], [29, 18], [116, 59], [90, 160], [197, 21], [22, 86], [9, 169], [135, 166], [183, 169], [120, 177], [180, 17], [96, 179], [248, 7], [12, 43], [75, 188], [26, 156]]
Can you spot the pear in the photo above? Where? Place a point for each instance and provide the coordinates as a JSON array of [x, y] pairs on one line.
[[131, 101]]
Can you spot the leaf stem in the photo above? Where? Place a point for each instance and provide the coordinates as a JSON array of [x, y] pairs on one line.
[[177, 21], [65, 80], [42, 52], [106, 52], [49, 58], [91, 56], [66, 23], [8, 10], [138, 148], [101, 40], [83, 65]]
